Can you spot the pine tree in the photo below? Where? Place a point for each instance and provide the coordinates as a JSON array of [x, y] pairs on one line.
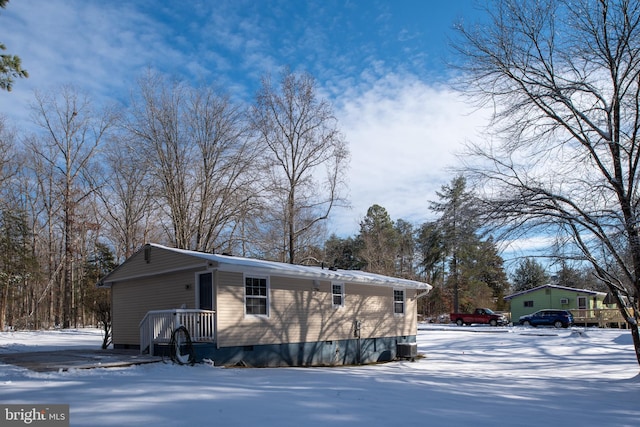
[[458, 227], [379, 241], [10, 65], [476, 275], [528, 275]]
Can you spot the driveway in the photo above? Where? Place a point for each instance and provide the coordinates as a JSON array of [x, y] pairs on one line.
[[63, 360]]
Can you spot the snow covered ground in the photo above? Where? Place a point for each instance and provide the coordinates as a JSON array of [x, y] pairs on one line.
[[468, 377]]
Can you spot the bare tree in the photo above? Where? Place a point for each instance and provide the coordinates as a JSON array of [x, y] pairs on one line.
[[39, 186], [564, 80], [7, 153], [305, 156], [18, 265], [200, 157], [71, 134], [127, 196]]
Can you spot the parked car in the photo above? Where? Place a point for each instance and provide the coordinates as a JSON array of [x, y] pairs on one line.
[[480, 315], [557, 318]]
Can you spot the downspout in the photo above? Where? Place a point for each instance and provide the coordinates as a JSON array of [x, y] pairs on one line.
[[356, 332], [215, 282], [421, 294], [214, 268]]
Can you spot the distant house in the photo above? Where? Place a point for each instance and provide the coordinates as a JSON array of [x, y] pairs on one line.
[[587, 306], [260, 313]]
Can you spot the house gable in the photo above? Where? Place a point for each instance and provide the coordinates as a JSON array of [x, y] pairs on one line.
[[153, 260]]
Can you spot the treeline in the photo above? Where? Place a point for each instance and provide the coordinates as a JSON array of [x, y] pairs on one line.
[[85, 187], [450, 253], [185, 166]]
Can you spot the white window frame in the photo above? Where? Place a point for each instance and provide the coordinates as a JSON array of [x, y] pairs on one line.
[[582, 303], [266, 297], [403, 302], [334, 294]]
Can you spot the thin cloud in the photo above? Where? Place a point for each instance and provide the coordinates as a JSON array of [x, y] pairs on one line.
[[403, 131], [404, 135]]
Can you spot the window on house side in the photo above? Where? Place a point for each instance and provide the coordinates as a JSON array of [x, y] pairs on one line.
[[337, 294], [398, 302], [528, 303], [256, 296]]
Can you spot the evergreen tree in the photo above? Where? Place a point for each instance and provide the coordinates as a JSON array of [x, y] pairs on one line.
[[342, 253], [487, 271], [458, 226], [569, 276], [432, 267], [379, 241], [406, 249], [528, 275], [10, 65], [476, 274], [432, 252]]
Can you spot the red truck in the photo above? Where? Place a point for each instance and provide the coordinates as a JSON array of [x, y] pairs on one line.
[[480, 315]]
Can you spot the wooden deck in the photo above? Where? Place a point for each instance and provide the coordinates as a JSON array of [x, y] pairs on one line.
[[603, 318]]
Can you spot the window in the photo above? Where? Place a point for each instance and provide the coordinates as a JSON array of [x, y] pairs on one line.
[[337, 294], [256, 296], [528, 303], [398, 302]]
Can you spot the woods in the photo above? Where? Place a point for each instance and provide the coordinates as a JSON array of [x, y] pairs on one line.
[[84, 188], [187, 167]]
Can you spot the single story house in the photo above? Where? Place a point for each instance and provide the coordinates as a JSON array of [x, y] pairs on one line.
[[585, 305], [261, 313]]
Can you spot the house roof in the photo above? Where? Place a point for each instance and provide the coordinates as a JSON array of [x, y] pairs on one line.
[[564, 288], [241, 264]]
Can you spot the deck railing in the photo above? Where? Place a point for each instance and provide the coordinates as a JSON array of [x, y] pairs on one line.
[[602, 317], [158, 325]]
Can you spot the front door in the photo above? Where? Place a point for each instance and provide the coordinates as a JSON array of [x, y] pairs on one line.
[[206, 324], [205, 291], [582, 306]]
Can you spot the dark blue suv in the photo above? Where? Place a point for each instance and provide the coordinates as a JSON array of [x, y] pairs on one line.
[[557, 318]]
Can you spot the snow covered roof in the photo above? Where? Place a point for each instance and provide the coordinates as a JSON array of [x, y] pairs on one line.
[[241, 264], [564, 288]]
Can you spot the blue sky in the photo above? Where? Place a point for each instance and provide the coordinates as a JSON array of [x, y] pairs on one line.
[[381, 64]]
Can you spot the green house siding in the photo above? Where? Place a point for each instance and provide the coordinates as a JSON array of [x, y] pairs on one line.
[[547, 297]]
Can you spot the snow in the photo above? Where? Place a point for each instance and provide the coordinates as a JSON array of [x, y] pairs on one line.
[[478, 376], [241, 264]]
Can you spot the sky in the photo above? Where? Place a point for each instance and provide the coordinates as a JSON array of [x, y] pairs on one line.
[[479, 376], [382, 65]]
